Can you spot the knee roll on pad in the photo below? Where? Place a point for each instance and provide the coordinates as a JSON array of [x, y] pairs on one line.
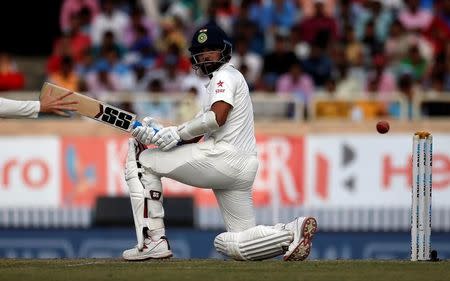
[[257, 243]]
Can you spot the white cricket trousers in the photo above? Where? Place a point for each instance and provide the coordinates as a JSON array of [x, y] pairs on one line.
[[219, 166]]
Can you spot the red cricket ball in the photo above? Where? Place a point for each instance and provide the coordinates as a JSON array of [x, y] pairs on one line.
[[382, 127]]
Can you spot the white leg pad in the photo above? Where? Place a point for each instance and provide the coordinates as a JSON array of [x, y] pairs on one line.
[[138, 196], [257, 243]]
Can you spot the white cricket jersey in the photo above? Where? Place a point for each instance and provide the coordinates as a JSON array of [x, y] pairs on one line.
[[14, 108], [229, 85]]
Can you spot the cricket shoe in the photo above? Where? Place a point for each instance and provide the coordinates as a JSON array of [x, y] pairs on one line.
[[159, 249], [304, 229]]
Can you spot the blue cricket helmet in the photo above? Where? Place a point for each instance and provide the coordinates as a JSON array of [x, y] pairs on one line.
[[206, 39]]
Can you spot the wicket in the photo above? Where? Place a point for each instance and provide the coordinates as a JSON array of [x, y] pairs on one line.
[[421, 196]]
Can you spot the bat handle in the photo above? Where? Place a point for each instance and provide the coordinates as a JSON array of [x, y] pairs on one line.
[[138, 124]]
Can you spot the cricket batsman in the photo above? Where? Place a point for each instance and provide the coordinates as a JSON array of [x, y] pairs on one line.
[[226, 161]]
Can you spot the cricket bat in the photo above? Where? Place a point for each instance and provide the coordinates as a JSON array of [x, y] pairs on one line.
[[92, 108]]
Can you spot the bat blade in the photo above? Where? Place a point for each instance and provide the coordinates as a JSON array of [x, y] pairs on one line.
[[92, 108]]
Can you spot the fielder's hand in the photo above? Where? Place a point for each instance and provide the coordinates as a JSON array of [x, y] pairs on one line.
[[57, 105], [167, 138], [146, 132]]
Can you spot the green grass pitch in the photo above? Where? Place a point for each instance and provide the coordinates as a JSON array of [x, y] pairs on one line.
[[174, 270]]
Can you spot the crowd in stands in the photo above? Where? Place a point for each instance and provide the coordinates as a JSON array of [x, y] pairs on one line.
[[299, 48]]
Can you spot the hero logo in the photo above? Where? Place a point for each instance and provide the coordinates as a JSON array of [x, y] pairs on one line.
[[33, 173]]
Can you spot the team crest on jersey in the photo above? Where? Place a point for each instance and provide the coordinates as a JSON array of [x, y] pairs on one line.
[[202, 37]]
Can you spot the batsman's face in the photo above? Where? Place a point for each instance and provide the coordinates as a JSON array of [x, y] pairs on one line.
[[208, 55]]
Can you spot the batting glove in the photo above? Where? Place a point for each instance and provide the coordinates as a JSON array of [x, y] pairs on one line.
[[144, 134], [167, 138], [147, 131], [151, 122]]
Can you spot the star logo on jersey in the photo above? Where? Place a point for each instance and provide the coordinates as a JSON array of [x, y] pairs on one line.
[[220, 83]]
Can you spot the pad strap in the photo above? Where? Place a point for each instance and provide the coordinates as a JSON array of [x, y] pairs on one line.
[[205, 123]]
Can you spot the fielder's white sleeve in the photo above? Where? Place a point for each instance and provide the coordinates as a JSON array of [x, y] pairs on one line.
[[14, 108]]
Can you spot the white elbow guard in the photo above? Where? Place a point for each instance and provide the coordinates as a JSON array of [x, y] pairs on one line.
[[205, 123]]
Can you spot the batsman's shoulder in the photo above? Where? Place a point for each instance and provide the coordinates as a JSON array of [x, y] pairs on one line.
[[222, 79]]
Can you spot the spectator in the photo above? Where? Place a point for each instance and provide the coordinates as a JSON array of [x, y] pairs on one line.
[[296, 83], [350, 86], [186, 11], [171, 78], [66, 77], [370, 40], [447, 69], [133, 32], [141, 39], [73, 7], [381, 80], [399, 42], [121, 70], [307, 7], [319, 29], [61, 49], [354, 49], [86, 19], [414, 64], [413, 17], [347, 15], [438, 32], [183, 63], [108, 42], [276, 16], [243, 57], [102, 80], [192, 80], [77, 41], [188, 106], [171, 34], [225, 12], [85, 64], [381, 17], [394, 5], [444, 12], [141, 78], [160, 109], [111, 19], [318, 65], [10, 77], [435, 78], [277, 62], [246, 27], [408, 88]]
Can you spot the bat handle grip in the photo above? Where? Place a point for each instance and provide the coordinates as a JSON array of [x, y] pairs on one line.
[[138, 124]]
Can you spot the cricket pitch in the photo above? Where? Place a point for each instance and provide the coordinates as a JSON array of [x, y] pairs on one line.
[[213, 269]]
